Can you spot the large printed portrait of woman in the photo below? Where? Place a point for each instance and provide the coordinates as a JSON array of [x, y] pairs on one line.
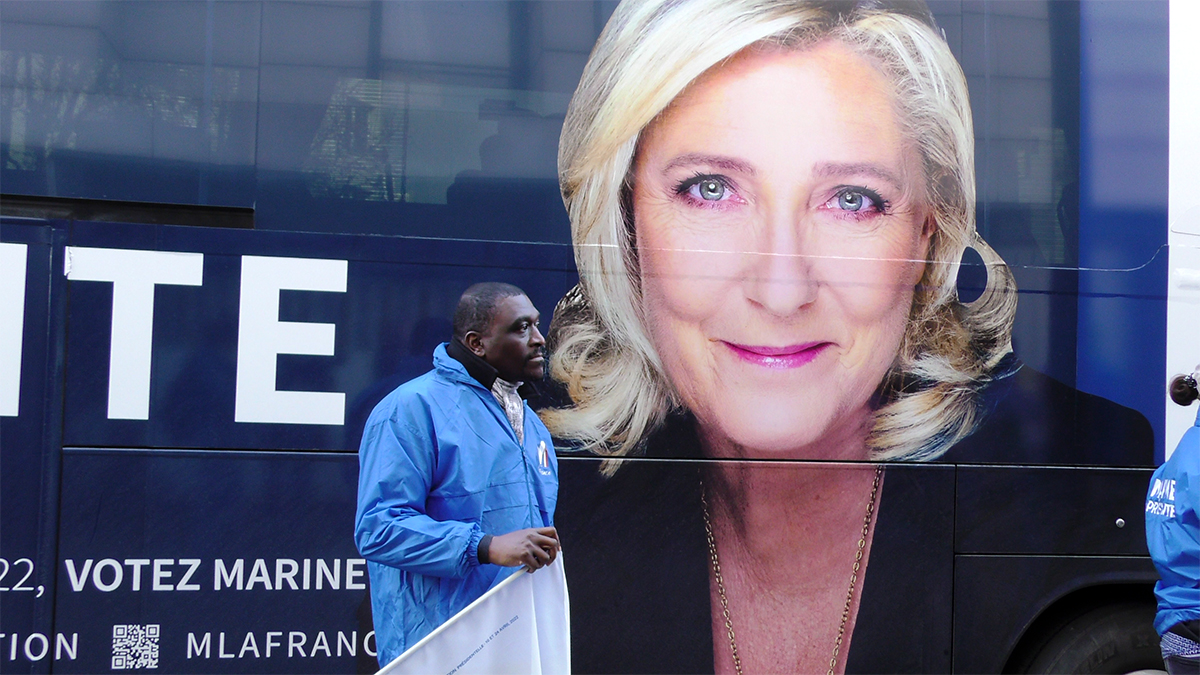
[[769, 204]]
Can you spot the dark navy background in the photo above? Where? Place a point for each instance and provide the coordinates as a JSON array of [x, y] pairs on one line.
[[29, 447], [130, 504]]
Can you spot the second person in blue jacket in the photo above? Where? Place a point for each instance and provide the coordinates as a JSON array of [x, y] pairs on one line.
[[1173, 536]]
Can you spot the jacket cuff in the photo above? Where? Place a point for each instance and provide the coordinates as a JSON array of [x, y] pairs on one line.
[[477, 536], [484, 546]]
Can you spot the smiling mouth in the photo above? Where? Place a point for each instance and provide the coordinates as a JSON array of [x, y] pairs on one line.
[[791, 356]]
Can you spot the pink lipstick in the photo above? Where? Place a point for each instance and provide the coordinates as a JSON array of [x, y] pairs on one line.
[[791, 356]]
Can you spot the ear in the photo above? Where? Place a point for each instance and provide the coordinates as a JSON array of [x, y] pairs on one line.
[[928, 229], [930, 226], [473, 340]]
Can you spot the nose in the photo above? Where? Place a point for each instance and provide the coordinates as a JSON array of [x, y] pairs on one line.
[[779, 271], [536, 339]]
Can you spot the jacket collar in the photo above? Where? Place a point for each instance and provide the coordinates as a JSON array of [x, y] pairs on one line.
[[481, 371]]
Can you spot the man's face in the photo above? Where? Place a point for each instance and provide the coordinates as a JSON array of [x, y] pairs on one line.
[[512, 344]]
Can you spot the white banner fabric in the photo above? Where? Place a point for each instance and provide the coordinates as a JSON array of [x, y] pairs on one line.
[[520, 626]]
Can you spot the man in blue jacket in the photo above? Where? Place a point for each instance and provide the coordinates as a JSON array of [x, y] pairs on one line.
[[457, 475], [1173, 536]]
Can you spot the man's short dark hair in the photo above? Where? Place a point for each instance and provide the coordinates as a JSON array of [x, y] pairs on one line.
[[477, 306]]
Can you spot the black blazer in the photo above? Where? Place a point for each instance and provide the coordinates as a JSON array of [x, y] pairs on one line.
[[637, 559]]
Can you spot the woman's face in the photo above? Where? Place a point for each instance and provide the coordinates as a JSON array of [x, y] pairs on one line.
[[780, 231]]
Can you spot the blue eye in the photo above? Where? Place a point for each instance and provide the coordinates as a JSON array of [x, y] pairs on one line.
[[858, 201], [853, 200], [710, 190], [706, 188]]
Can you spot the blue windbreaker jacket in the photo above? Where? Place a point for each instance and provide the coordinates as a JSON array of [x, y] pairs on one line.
[[1173, 532], [439, 467]]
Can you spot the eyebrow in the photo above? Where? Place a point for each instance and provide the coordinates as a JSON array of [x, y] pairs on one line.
[[531, 318], [718, 161], [840, 170], [823, 170]]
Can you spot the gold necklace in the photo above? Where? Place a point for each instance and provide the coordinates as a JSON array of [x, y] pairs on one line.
[[716, 565]]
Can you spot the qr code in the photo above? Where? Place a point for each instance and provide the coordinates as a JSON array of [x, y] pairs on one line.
[[135, 646]]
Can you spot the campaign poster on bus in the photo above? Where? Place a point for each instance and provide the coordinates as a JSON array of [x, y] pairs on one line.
[[852, 310]]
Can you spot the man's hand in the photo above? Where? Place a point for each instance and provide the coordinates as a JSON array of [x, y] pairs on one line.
[[534, 548]]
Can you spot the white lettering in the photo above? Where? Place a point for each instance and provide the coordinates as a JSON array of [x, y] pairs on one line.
[[12, 326], [133, 274], [193, 565], [321, 643], [1160, 509], [118, 575], [161, 575], [247, 645], [137, 564], [221, 647], [220, 573], [353, 572], [78, 579], [44, 650], [334, 576], [259, 574], [262, 337], [109, 574], [289, 576], [61, 645], [204, 644], [296, 640]]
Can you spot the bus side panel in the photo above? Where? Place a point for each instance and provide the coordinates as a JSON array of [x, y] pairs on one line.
[[223, 561], [28, 457], [1050, 511]]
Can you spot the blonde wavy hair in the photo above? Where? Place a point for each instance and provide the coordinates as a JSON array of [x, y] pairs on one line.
[[648, 54]]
